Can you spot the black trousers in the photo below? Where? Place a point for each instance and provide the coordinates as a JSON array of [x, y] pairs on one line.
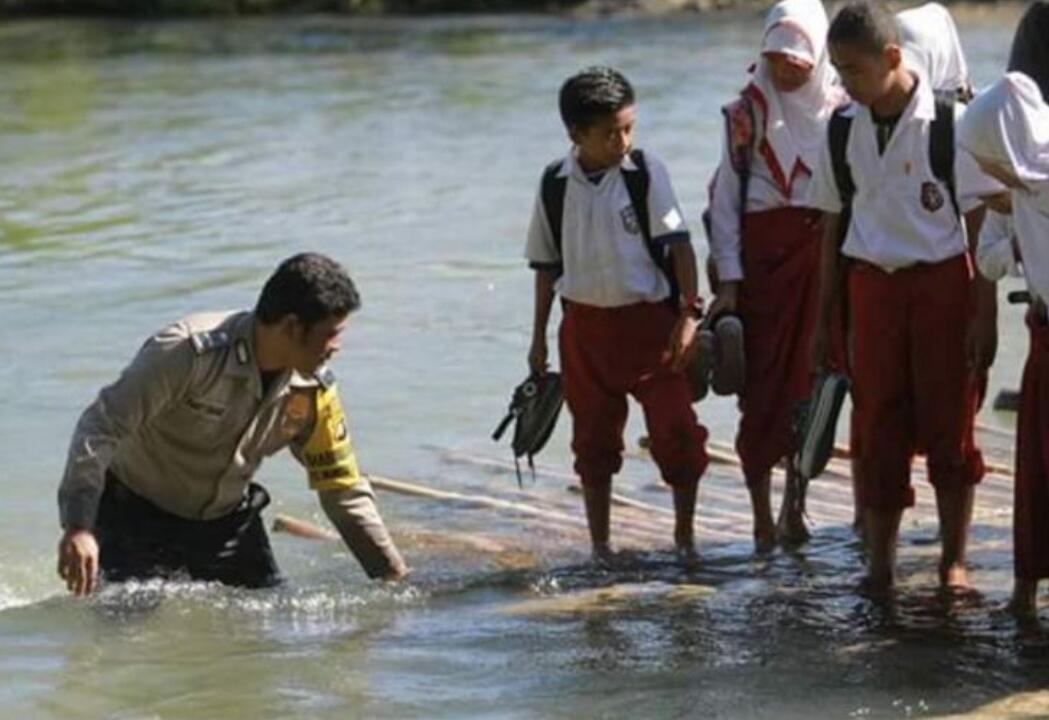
[[138, 540]]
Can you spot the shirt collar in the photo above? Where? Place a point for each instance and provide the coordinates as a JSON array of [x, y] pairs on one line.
[[570, 165]]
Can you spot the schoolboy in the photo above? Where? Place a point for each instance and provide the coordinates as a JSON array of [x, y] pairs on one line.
[[619, 335], [921, 324]]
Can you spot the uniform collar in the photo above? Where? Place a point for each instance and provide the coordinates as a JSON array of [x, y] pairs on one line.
[[920, 106], [570, 166]]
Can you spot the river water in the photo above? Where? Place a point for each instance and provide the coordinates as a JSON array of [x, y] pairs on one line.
[[152, 170]]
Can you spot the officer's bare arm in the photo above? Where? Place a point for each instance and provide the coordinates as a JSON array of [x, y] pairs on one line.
[[353, 512]]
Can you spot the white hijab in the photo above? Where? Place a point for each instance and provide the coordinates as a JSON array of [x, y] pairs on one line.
[[797, 121], [1008, 123], [932, 47]]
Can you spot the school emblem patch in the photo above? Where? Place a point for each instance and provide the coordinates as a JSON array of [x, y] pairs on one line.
[[629, 217], [932, 198]]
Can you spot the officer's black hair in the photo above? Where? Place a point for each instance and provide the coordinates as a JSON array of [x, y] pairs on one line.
[[310, 286], [868, 25], [1030, 51], [592, 94]]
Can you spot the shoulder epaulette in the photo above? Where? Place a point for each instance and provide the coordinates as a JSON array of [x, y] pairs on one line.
[[209, 340]]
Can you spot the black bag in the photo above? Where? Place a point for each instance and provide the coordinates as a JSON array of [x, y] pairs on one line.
[[534, 407]]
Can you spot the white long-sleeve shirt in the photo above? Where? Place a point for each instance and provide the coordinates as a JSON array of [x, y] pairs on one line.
[[994, 251], [763, 193]]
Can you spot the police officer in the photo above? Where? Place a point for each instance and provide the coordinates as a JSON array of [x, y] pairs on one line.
[[158, 479]]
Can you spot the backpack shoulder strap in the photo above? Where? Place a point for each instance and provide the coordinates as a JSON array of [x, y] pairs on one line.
[[636, 182], [838, 136], [553, 194], [941, 146]]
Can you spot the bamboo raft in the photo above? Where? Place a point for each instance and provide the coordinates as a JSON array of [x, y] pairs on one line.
[[642, 517]]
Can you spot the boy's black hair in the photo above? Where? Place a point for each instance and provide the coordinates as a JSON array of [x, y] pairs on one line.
[[866, 24], [310, 286], [1030, 52], [595, 92]]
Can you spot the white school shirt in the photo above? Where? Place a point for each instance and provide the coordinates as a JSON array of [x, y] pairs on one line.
[[994, 250], [603, 253], [763, 193], [901, 214], [1031, 219]]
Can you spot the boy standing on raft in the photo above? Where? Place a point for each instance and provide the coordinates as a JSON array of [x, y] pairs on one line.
[[605, 221], [764, 241], [921, 326]]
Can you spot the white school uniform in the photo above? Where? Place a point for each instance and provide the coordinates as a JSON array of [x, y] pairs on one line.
[[1008, 123], [901, 214], [994, 250], [789, 127], [605, 260]]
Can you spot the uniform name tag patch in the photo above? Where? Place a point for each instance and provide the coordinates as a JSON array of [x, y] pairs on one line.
[[629, 218]]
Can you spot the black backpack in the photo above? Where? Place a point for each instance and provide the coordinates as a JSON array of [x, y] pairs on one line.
[[941, 155], [553, 191]]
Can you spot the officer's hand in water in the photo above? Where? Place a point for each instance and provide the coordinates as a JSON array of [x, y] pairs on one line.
[[538, 357], [78, 561]]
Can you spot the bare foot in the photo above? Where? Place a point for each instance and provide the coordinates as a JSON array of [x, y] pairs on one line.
[[877, 585], [791, 528], [955, 577], [1024, 603], [602, 555], [687, 553], [764, 540]]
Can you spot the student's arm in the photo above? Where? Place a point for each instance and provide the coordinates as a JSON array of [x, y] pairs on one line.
[[668, 228], [681, 345], [830, 289], [824, 196], [725, 240], [157, 376], [996, 252], [982, 336], [538, 355], [545, 258]]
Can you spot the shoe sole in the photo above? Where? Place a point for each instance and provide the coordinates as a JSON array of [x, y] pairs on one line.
[[828, 396], [730, 368], [699, 370]]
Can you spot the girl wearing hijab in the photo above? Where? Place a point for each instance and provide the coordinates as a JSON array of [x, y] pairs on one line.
[[931, 46], [1006, 128], [764, 242]]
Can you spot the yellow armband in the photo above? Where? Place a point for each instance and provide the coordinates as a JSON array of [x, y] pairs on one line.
[[328, 454]]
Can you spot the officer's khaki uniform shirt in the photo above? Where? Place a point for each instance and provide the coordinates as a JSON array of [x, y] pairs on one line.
[[187, 425]]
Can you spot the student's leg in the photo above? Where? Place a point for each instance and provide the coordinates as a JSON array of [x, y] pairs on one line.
[[777, 303], [945, 395], [684, 516], [760, 489], [598, 412], [1031, 488], [678, 441], [791, 522], [678, 444], [882, 417]]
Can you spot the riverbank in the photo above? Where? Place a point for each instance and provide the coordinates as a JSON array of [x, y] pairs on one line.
[[179, 8]]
